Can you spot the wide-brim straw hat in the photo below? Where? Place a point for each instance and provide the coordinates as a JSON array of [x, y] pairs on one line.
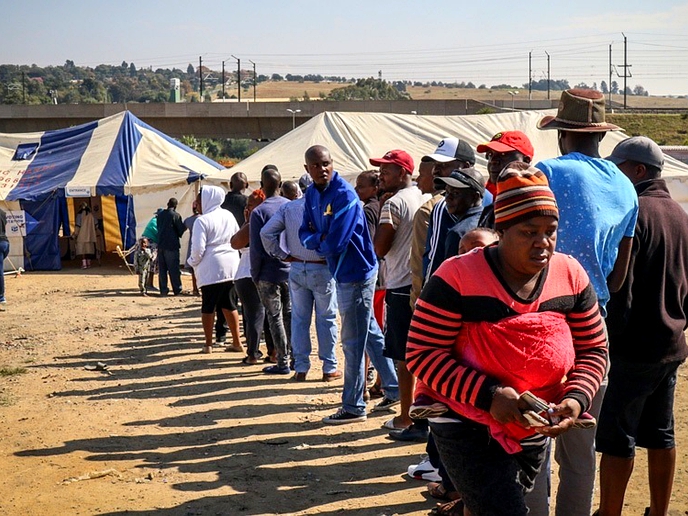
[[581, 111]]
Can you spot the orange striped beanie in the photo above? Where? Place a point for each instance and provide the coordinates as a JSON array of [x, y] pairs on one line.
[[523, 192]]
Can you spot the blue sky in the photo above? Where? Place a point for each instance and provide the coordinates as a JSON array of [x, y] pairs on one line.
[[484, 42]]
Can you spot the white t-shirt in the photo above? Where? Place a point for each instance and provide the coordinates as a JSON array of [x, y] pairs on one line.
[[399, 211], [244, 270]]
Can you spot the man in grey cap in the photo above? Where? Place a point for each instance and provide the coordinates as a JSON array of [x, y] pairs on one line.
[[463, 195], [646, 322]]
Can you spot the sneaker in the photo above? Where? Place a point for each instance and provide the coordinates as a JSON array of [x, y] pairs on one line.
[[385, 405], [424, 471], [410, 434], [425, 407], [3, 305], [275, 369], [342, 416], [334, 375]]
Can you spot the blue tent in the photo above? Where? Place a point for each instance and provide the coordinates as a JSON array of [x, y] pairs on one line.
[[132, 168]]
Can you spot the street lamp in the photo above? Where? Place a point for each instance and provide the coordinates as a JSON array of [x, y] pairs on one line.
[[513, 94], [293, 117]]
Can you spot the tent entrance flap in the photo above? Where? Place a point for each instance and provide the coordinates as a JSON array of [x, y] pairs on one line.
[[41, 245]]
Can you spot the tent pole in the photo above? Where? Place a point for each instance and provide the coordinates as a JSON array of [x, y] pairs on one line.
[[126, 223]]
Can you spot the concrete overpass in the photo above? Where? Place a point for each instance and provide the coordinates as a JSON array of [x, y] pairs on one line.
[[251, 120]]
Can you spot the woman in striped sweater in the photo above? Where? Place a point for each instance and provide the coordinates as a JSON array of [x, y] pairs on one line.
[[494, 323]]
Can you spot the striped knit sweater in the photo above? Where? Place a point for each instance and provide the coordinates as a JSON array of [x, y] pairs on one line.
[[466, 295]]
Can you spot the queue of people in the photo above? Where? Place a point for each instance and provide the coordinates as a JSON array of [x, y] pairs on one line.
[[504, 298]]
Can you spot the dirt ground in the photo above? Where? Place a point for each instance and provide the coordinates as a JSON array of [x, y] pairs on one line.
[[166, 430]]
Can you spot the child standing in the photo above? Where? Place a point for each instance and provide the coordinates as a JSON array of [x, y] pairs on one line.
[[142, 263]]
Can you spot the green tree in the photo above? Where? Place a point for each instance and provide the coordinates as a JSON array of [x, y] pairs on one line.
[[368, 89]]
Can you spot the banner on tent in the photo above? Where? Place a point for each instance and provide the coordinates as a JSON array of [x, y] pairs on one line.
[[78, 191], [20, 223]]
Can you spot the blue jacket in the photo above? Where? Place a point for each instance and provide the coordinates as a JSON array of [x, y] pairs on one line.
[[334, 226]]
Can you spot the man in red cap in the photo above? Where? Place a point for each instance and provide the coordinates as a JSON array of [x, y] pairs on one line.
[[393, 243], [502, 149]]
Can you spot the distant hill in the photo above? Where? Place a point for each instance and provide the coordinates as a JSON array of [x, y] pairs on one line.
[[71, 84]]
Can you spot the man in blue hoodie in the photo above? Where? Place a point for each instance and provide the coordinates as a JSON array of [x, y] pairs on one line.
[[334, 226]]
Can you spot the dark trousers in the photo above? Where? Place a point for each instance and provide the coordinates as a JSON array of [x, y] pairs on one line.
[[168, 263], [254, 317], [276, 300], [4, 252], [221, 327], [491, 481]]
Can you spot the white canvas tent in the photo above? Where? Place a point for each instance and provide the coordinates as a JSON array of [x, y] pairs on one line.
[[354, 137]]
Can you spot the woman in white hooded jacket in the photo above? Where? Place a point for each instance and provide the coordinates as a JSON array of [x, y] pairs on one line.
[[213, 259]]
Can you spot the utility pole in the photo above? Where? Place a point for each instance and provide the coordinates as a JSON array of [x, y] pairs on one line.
[[223, 81], [238, 78], [610, 76], [626, 70], [626, 67], [548, 83], [24, 87], [254, 79], [530, 76], [200, 75]]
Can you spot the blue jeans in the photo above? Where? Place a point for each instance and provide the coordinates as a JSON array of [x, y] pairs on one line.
[[312, 284], [4, 251], [361, 333], [168, 262]]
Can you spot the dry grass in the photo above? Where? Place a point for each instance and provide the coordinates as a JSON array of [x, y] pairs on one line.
[[12, 371], [664, 129], [285, 90]]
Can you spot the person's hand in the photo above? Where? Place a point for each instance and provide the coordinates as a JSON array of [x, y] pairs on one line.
[[505, 409], [384, 197], [562, 416]]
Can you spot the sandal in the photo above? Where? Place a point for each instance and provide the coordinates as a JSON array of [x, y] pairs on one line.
[[437, 490], [453, 508], [389, 425], [249, 360]]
